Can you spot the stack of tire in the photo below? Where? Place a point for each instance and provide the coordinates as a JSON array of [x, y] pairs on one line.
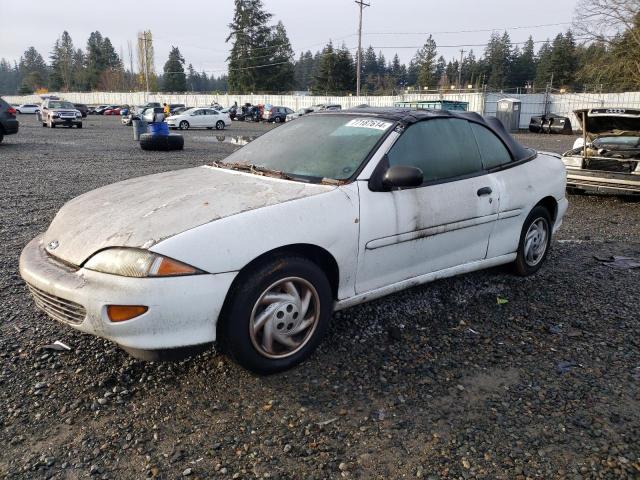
[[159, 138]]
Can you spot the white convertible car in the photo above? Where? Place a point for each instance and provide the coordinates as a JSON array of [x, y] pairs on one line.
[[342, 208]]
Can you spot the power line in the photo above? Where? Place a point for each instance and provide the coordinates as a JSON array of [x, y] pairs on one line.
[[483, 30], [462, 45]]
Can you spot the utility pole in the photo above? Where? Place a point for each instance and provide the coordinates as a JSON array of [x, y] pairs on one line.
[[462, 52], [362, 5], [145, 62]]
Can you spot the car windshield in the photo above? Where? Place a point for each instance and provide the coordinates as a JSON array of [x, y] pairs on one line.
[[631, 141], [61, 105], [316, 147]]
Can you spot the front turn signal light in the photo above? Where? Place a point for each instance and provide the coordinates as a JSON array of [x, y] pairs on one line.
[[122, 313], [164, 267]]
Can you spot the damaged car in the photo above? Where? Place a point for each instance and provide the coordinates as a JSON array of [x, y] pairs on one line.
[[606, 159], [255, 252]]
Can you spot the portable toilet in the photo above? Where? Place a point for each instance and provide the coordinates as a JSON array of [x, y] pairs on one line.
[[508, 113]]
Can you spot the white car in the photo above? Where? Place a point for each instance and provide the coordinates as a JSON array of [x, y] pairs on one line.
[[342, 208], [28, 108], [199, 118]]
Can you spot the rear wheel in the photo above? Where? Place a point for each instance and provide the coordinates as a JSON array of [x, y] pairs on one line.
[[219, 125], [277, 315], [183, 125], [535, 241], [278, 120]]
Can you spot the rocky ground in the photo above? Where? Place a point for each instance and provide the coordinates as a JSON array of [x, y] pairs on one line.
[[438, 382]]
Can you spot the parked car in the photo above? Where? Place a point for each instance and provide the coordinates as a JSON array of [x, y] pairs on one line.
[[347, 207], [254, 113], [174, 106], [133, 113], [179, 110], [112, 110], [27, 108], [199, 118], [100, 109], [59, 112], [277, 114], [152, 114], [331, 107], [82, 108], [606, 159], [9, 125], [243, 112], [232, 111], [299, 113]]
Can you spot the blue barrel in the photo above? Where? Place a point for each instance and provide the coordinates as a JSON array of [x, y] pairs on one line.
[[159, 129]]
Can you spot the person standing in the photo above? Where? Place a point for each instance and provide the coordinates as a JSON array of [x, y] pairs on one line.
[[166, 109]]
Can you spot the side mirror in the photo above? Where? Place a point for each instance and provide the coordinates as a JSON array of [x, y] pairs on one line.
[[402, 176]]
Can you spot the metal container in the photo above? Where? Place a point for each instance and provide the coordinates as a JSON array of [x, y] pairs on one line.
[[139, 127], [509, 113]]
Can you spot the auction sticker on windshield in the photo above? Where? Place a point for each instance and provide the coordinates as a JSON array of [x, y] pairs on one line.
[[368, 123]]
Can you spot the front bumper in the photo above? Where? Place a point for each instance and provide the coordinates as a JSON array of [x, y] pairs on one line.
[[603, 182], [66, 121], [183, 311]]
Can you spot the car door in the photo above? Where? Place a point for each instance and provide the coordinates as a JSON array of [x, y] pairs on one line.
[[212, 116], [444, 223]]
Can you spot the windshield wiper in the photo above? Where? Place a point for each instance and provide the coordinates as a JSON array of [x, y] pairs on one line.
[[254, 169]]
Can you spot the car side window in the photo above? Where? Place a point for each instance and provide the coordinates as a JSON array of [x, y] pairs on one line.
[[492, 150], [442, 148]]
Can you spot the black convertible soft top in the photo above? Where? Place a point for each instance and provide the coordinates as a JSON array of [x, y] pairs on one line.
[[407, 116]]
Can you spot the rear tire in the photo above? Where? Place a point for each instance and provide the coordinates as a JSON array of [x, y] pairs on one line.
[[295, 319], [535, 242], [219, 125], [278, 120], [162, 143]]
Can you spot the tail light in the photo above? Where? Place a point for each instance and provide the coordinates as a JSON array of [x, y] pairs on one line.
[[11, 111]]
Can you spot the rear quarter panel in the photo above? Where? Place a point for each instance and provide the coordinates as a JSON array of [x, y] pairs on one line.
[[521, 188]]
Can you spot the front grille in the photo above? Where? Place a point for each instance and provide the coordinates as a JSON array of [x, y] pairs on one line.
[[58, 308]]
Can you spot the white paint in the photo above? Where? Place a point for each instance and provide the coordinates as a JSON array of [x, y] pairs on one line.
[[219, 221]]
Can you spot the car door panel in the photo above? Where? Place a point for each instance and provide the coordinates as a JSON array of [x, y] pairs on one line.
[[408, 233]]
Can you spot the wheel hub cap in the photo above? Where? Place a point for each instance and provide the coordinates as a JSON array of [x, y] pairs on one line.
[[535, 242], [284, 317]]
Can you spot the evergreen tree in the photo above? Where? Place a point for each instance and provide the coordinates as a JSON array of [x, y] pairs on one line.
[[279, 75], [425, 63], [325, 79], [62, 64], [499, 57], [251, 38], [345, 70], [544, 67], [524, 65], [174, 78], [33, 71]]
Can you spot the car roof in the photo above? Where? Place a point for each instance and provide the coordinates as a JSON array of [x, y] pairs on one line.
[[407, 116]]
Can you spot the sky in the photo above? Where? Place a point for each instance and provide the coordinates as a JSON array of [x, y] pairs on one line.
[[199, 27]]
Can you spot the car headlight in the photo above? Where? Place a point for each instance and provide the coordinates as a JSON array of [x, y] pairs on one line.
[[572, 161], [78, 114], [133, 262]]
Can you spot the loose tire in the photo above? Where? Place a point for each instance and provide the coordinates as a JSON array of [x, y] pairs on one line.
[[79, 125], [164, 143], [183, 125], [276, 314], [535, 242], [219, 125]]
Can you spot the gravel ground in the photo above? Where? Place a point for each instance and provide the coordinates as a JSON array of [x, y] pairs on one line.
[[436, 382]]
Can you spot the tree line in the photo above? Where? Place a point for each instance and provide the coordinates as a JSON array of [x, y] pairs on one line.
[[262, 60]]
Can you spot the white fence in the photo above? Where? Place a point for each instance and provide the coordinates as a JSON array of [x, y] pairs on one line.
[[482, 103]]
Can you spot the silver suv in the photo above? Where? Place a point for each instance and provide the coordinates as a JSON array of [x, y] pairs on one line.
[[59, 112]]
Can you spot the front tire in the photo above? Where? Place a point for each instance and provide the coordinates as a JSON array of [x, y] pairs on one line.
[[535, 242], [184, 125], [277, 314]]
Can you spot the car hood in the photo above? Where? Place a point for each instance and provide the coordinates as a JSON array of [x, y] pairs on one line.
[[616, 121], [144, 211]]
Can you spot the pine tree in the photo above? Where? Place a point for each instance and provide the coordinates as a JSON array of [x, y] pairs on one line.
[[62, 64], [544, 67], [251, 38], [174, 78], [425, 62], [524, 65], [499, 58], [325, 80], [33, 71], [279, 75]]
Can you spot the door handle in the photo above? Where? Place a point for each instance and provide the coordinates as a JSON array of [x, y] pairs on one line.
[[484, 191]]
